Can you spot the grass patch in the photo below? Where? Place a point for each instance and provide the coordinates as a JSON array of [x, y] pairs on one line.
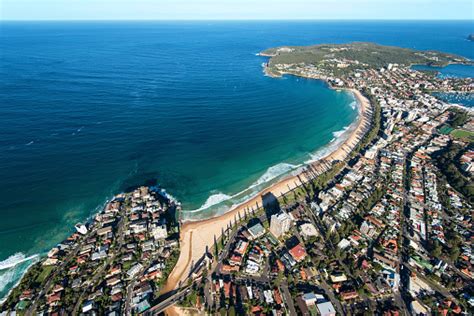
[[463, 134], [45, 272]]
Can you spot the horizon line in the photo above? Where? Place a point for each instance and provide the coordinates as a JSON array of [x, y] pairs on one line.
[[233, 20]]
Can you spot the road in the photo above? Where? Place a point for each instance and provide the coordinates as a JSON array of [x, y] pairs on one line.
[[329, 292], [168, 302], [287, 298], [47, 287], [100, 270]]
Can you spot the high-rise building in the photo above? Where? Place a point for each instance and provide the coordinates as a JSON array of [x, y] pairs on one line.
[[280, 224]]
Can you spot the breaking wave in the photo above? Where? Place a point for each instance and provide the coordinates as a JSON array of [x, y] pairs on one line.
[[12, 270], [272, 173], [338, 134], [339, 137], [14, 260], [353, 104], [213, 200]]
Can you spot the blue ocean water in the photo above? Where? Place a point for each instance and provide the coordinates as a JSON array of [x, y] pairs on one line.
[[88, 109], [465, 99], [450, 71]]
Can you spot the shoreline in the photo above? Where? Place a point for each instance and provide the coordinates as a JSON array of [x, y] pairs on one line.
[[196, 236], [320, 153]]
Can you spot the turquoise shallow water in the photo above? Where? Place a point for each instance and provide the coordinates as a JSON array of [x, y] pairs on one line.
[[89, 109]]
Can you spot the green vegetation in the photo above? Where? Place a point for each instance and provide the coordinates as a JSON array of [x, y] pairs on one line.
[[368, 203], [458, 117], [463, 134], [30, 281], [376, 121], [169, 265], [446, 161], [45, 272], [363, 55]]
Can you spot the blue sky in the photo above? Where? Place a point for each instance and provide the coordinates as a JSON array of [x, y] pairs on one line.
[[234, 9]]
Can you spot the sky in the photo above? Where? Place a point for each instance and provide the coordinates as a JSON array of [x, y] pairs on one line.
[[235, 9]]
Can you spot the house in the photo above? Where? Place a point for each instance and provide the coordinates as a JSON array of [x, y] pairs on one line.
[[419, 309], [343, 244], [268, 296], [142, 306], [302, 306], [309, 298], [241, 247], [326, 309], [308, 230], [256, 231], [104, 231], [159, 232], [337, 277], [88, 306], [134, 270], [349, 295], [235, 260], [298, 253]]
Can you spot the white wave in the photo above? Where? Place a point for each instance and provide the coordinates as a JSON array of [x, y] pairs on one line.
[[338, 139], [12, 270], [321, 153], [272, 173], [165, 194], [6, 278], [353, 104], [338, 134], [30, 143], [14, 260], [211, 201]]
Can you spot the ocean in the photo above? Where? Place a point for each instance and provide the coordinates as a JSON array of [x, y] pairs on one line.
[[89, 109]]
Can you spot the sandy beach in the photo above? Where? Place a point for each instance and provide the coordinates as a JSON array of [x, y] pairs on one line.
[[196, 236]]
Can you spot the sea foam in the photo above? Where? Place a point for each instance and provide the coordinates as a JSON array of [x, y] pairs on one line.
[[12, 269], [14, 260], [272, 173]]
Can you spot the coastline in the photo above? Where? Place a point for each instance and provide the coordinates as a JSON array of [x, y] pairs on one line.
[[196, 236]]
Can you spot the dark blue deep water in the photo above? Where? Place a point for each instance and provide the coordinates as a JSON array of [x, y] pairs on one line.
[[89, 109]]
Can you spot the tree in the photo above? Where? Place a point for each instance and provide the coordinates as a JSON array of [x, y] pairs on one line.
[[454, 253], [436, 249]]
